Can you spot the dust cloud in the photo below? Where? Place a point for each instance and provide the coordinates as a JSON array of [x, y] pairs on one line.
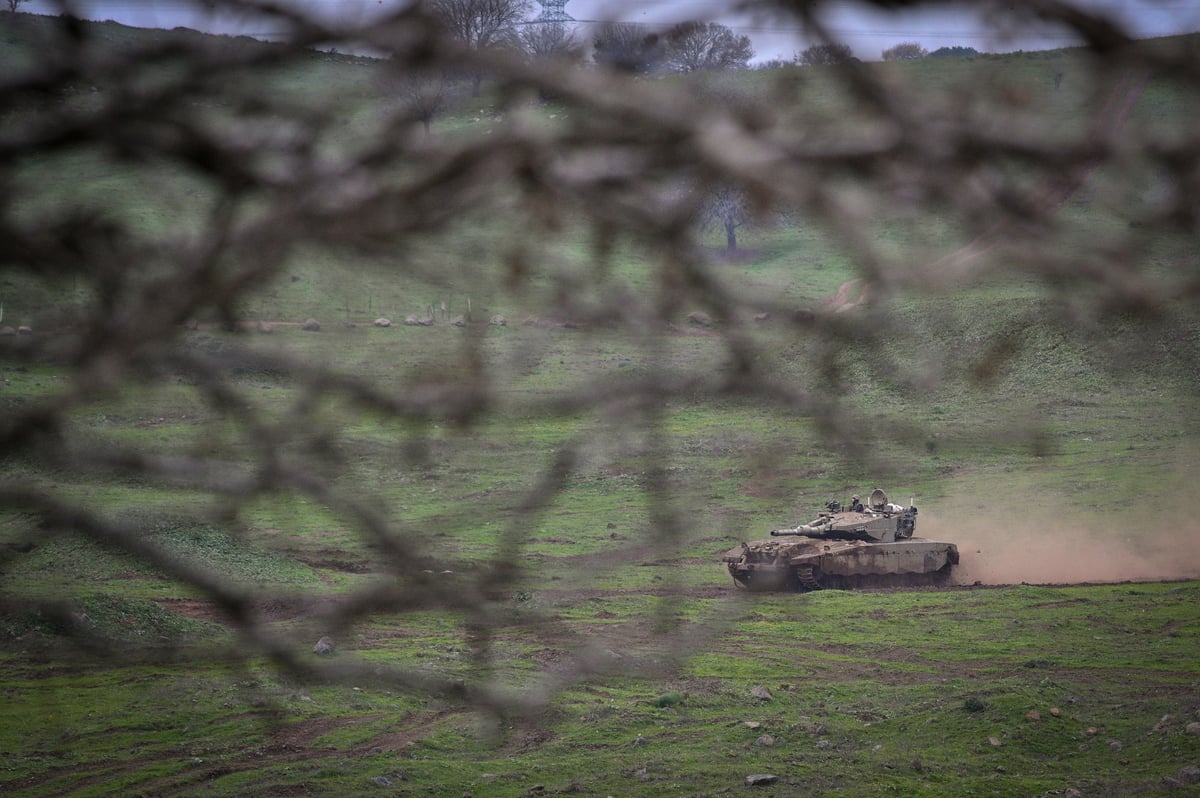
[[1014, 544]]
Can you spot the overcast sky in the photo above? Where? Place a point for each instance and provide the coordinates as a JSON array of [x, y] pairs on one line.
[[868, 32]]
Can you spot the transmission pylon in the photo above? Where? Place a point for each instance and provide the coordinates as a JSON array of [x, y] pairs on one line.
[[554, 11]]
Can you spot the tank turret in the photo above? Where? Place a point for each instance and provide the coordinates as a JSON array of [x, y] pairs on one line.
[[854, 546]]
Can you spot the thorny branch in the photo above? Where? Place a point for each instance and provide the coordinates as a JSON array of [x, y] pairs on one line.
[[273, 171]]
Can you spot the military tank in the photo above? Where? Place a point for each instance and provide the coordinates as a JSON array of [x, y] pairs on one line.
[[855, 546]]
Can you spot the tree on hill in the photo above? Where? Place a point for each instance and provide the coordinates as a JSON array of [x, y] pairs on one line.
[[626, 47], [481, 25], [550, 40], [776, 63], [693, 46], [956, 51], [13, 5], [826, 53], [905, 51], [726, 208], [424, 94]]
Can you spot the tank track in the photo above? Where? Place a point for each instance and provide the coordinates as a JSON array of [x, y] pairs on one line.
[[805, 580]]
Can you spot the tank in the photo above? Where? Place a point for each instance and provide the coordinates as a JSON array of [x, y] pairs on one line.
[[859, 545]]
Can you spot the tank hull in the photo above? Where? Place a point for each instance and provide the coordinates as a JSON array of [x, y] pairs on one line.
[[804, 564]]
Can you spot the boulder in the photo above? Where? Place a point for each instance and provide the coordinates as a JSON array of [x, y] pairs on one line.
[[23, 330], [700, 318], [1190, 774], [498, 321], [311, 325], [760, 780], [324, 646], [382, 322]]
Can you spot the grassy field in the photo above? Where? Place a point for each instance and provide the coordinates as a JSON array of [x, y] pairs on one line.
[[1063, 470]]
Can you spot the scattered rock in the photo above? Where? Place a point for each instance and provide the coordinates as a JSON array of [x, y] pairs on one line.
[[994, 741], [459, 321], [1033, 714], [324, 646], [823, 744], [1115, 745], [918, 765], [1071, 792], [382, 322], [23, 330], [310, 325], [700, 318], [760, 779], [1189, 775], [498, 321], [766, 741], [1055, 711], [751, 724], [639, 740], [643, 774], [1092, 730], [1162, 724], [761, 693], [1192, 728], [761, 317], [382, 781], [421, 321]]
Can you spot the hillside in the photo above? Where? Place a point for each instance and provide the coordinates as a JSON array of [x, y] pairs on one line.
[[971, 283]]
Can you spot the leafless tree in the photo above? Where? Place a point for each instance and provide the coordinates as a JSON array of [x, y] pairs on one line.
[[13, 5], [423, 93], [693, 46], [627, 47], [550, 40], [481, 24], [256, 177], [726, 208]]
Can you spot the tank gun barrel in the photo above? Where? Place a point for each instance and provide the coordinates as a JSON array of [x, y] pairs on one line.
[[803, 529]]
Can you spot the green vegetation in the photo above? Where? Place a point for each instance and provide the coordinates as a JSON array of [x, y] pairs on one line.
[[1001, 689]]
